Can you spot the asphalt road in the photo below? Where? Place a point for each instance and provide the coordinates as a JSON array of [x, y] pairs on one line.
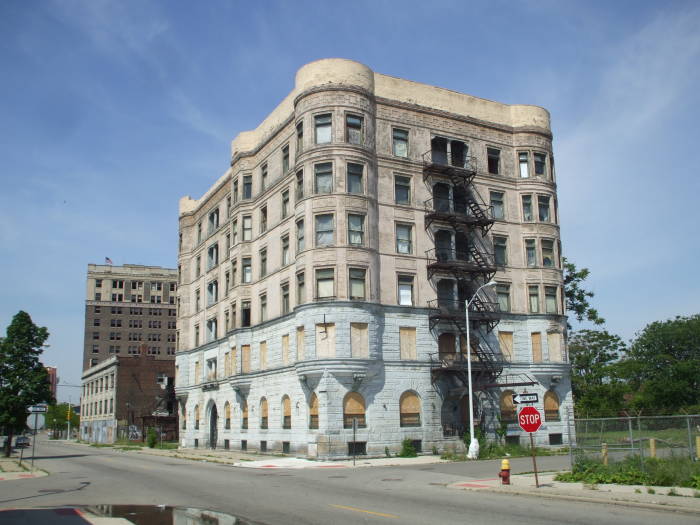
[[83, 475]]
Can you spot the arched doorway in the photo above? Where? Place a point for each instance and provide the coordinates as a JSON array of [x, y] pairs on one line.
[[213, 423]]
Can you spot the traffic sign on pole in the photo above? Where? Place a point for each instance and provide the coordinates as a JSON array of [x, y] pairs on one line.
[[529, 419], [521, 399], [37, 409]]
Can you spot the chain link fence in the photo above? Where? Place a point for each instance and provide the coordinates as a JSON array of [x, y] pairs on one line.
[[614, 439]]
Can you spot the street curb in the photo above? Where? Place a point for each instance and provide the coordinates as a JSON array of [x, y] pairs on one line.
[[584, 499]]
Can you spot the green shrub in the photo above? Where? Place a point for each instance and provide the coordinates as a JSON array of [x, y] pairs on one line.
[[151, 438], [407, 449]]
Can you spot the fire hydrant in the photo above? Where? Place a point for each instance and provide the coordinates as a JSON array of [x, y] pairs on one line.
[[504, 474]]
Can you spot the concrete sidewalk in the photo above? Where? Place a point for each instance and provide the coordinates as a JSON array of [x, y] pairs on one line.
[[10, 469], [656, 498]]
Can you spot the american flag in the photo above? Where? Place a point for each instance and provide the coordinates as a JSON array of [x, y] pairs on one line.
[[108, 260]]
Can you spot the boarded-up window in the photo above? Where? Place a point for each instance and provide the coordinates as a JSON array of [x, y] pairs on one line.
[[263, 355], [536, 347], [505, 340], [463, 350], [353, 408], [245, 356], [285, 349], [300, 343], [325, 340], [313, 411], [263, 413], [197, 372], [409, 408], [507, 407], [407, 342], [234, 361], [446, 346], [359, 340], [554, 346], [551, 406], [227, 364], [286, 412], [244, 415]]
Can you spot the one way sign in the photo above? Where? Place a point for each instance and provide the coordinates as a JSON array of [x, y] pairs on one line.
[[521, 399]]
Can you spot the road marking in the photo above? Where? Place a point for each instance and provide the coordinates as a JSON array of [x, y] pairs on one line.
[[381, 514]]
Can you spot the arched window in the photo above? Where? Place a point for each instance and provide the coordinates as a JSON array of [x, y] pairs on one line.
[[244, 414], [196, 417], [313, 411], [353, 408], [551, 406], [286, 412], [227, 415], [263, 413], [507, 407], [409, 409]]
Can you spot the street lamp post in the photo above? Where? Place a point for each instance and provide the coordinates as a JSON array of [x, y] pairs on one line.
[[473, 452]]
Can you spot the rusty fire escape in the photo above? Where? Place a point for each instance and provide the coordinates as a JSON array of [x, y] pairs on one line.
[[457, 219]]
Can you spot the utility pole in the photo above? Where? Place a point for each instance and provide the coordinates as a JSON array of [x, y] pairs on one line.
[[68, 414]]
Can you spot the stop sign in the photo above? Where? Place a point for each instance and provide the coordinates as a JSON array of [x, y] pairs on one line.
[[529, 419]]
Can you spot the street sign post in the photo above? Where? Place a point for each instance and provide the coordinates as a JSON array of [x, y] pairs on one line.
[[37, 409], [530, 420], [522, 399]]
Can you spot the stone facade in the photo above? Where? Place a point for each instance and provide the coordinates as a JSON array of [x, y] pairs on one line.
[[306, 295]]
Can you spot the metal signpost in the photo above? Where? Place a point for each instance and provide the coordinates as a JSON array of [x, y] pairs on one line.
[[36, 410], [530, 420]]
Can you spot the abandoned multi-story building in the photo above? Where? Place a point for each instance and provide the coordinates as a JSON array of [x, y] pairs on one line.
[[130, 342], [323, 277]]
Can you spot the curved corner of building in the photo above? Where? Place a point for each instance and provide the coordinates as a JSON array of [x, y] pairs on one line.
[[334, 71], [524, 115]]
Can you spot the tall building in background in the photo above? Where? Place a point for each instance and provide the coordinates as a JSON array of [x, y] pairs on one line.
[[52, 371], [129, 350], [323, 277]]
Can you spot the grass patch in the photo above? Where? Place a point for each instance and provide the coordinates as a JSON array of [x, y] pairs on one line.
[[127, 447], [664, 472], [496, 451], [101, 445]]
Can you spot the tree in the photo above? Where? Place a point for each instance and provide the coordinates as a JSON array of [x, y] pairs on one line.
[[23, 379], [577, 297], [663, 365], [597, 388], [57, 417]]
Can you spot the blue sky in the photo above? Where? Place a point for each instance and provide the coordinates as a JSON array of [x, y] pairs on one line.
[[113, 110]]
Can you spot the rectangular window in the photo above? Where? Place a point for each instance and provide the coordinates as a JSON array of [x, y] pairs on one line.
[[543, 208], [407, 342], [322, 124], [285, 203], [212, 256], [405, 290], [356, 229], [234, 231], [247, 227], [540, 164], [286, 259], [263, 177], [354, 178], [228, 244], [400, 142], [402, 189], [300, 137], [533, 293], [300, 236], [359, 340], [353, 129], [234, 193], [300, 343], [285, 159], [285, 298], [211, 329], [500, 245], [213, 221], [285, 349], [98, 283], [227, 283], [301, 288], [323, 178], [497, 205], [494, 160], [550, 299], [245, 313], [357, 283], [547, 253], [503, 295], [527, 207], [245, 368], [325, 283], [324, 230], [404, 243], [505, 341], [234, 272], [196, 335], [212, 292], [325, 340], [524, 165], [300, 185], [263, 308], [247, 186], [247, 273], [531, 252], [263, 219], [228, 207], [263, 263], [536, 338], [199, 233]]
